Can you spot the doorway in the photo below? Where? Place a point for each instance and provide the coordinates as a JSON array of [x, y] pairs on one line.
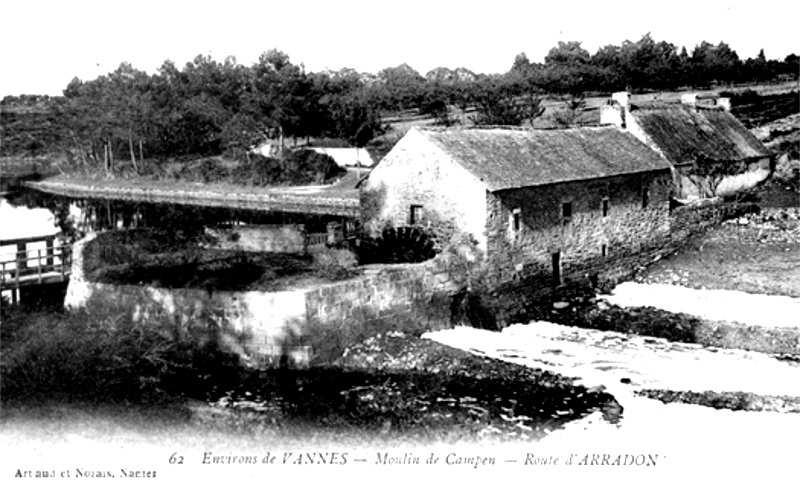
[[556, 257]]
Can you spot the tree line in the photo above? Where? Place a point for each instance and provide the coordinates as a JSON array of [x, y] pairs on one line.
[[648, 65], [211, 107], [570, 72]]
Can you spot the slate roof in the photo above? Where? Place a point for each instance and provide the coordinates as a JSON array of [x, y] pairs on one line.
[[684, 134], [513, 158]]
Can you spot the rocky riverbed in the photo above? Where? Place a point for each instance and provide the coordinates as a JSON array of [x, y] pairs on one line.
[[394, 388]]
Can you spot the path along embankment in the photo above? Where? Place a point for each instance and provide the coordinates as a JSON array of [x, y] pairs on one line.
[[319, 200]]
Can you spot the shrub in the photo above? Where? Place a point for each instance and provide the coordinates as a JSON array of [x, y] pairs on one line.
[[295, 167], [257, 171], [206, 170], [136, 246], [787, 172], [744, 97], [334, 264], [331, 142], [105, 354], [380, 146], [305, 166]]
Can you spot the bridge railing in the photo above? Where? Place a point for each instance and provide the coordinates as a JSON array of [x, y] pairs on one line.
[[33, 265], [317, 239]]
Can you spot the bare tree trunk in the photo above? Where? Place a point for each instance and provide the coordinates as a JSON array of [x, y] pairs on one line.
[[130, 146], [111, 155], [141, 153], [280, 148], [105, 157]]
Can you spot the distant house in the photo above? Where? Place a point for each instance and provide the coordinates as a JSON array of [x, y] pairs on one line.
[[266, 149], [546, 204], [347, 157], [710, 151]]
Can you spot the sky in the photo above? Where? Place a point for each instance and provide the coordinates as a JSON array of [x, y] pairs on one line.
[[44, 44]]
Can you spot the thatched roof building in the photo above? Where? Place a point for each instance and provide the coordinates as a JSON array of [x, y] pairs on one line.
[[711, 152], [685, 133]]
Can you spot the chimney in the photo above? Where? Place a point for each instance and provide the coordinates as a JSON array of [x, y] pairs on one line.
[[622, 98], [724, 103], [615, 110]]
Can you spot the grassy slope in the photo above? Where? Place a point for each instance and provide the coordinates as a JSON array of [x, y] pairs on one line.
[[591, 115]]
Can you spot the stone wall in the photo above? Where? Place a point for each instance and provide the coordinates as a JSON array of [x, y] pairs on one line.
[[412, 298], [592, 248], [587, 236], [635, 238], [301, 324], [701, 216]]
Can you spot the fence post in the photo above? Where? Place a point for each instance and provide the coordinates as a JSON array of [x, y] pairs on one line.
[[39, 264], [22, 257], [63, 261], [50, 252]]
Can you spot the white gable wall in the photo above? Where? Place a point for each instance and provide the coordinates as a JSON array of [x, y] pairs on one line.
[[416, 172]]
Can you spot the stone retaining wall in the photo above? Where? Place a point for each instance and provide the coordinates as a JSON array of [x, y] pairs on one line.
[[302, 324]]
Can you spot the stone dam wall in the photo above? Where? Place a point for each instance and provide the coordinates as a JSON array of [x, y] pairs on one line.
[[304, 324]]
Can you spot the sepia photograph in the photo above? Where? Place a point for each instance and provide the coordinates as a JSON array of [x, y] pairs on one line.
[[372, 244]]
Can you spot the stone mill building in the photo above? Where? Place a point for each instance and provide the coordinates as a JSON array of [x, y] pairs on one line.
[[542, 205]]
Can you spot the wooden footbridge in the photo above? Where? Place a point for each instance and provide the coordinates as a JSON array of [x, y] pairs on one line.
[[36, 261]]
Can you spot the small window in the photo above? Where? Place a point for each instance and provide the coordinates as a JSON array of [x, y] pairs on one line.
[[415, 215], [606, 206], [566, 212], [645, 195], [516, 219]]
